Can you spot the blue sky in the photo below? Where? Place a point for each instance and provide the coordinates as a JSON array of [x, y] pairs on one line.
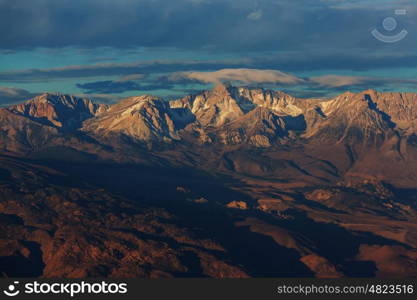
[[108, 49]]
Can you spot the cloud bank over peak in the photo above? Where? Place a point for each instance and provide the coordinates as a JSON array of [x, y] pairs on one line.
[[245, 76], [194, 81], [274, 79]]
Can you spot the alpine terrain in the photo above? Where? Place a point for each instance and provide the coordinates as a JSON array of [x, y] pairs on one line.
[[231, 182]]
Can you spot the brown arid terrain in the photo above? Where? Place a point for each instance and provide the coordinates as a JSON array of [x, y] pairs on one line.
[[233, 182]]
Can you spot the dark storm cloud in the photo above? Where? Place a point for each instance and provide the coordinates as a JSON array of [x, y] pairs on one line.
[[121, 23], [215, 24]]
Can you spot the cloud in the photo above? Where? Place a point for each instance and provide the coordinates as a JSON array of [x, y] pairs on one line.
[[117, 86], [370, 4], [288, 62], [181, 83], [131, 77], [220, 25], [120, 85], [11, 95], [255, 15], [122, 23], [340, 81], [239, 75], [109, 87], [112, 69]]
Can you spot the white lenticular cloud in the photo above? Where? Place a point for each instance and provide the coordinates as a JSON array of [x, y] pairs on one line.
[[240, 75]]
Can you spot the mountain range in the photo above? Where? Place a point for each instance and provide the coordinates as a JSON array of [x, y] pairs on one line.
[[230, 182]]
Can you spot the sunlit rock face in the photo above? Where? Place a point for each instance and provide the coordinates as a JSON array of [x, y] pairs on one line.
[[232, 182]]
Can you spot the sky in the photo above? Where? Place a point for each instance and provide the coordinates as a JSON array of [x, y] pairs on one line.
[[110, 49]]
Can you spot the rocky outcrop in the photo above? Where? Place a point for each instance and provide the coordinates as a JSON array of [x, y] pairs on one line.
[[144, 118], [61, 111]]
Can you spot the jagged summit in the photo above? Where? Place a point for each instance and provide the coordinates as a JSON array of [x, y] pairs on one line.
[[233, 115], [136, 100], [54, 97], [145, 118], [62, 111], [222, 88]]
